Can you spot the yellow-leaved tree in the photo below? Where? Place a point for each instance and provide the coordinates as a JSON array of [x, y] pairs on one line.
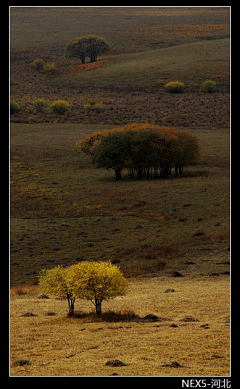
[[53, 281], [96, 281]]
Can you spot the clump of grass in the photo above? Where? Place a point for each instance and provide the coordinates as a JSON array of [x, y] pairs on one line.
[[118, 315], [110, 315]]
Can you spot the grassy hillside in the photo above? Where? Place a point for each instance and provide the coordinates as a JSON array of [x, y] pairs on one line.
[[192, 63], [63, 209]]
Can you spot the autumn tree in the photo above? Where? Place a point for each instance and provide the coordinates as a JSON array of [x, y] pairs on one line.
[[86, 46], [141, 148], [53, 281], [96, 281]]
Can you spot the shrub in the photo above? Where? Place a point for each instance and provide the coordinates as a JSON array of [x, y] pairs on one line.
[[14, 107], [59, 106], [49, 68], [38, 63], [208, 86], [174, 86], [40, 104], [92, 106]]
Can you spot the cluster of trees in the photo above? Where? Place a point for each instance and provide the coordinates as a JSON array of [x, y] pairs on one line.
[[94, 281], [86, 46], [142, 148]]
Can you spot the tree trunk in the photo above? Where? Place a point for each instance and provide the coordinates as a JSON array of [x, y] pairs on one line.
[[118, 173], [98, 306], [176, 170], [140, 171], [71, 301]]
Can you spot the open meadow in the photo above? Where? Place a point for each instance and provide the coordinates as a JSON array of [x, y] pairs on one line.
[[64, 210]]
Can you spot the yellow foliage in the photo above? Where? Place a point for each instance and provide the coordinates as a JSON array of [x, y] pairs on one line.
[[101, 280], [95, 281]]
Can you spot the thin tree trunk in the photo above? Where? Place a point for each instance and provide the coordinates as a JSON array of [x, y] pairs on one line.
[[98, 305], [71, 301]]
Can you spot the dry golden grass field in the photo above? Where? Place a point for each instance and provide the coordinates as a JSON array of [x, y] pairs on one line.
[[56, 345], [64, 210]]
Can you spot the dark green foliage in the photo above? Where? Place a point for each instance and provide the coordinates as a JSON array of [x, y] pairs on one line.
[[86, 46], [149, 150]]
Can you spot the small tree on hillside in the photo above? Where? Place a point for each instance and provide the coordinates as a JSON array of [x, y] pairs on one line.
[[77, 49], [53, 281], [95, 46], [86, 46], [96, 281]]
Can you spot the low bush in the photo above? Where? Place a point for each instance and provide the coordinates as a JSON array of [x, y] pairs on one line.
[[49, 68], [40, 104], [14, 107], [174, 87], [38, 63], [208, 86], [59, 106], [93, 106]]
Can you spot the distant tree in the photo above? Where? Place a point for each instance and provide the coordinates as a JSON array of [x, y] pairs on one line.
[[95, 46], [53, 281], [77, 49], [96, 281], [86, 46]]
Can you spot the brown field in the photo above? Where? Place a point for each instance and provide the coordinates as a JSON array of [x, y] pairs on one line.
[[65, 210]]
